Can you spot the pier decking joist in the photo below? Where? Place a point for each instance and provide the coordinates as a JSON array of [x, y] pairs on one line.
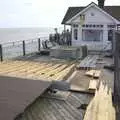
[[36, 70]]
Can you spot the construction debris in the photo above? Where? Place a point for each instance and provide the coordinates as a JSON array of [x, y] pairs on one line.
[[101, 107]]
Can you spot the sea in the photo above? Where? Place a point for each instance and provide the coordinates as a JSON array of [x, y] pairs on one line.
[[17, 34], [11, 40]]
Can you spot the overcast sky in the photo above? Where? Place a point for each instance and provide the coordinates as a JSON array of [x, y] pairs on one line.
[[38, 13]]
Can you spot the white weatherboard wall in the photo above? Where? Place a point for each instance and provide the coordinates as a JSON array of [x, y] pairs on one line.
[[99, 18]]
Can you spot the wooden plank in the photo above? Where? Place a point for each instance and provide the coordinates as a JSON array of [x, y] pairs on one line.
[[47, 69], [97, 74], [55, 71], [12, 67], [29, 71], [93, 84], [93, 73], [88, 62], [101, 107], [63, 74]]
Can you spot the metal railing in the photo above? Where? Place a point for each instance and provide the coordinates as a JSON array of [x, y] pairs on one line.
[[20, 48]]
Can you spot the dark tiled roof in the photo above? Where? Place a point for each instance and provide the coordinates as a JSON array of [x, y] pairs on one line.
[[72, 11], [114, 11]]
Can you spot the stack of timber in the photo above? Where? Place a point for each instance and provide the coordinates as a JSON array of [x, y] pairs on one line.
[[89, 62], [36, 70], [101, 107], [93, 73]]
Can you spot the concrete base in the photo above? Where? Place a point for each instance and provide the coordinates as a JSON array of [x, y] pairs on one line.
[[69, 52]]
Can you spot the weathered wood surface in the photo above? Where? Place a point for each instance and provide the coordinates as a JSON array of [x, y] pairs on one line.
[[36, 70], [54, 108], [88, 62], [101, 107]]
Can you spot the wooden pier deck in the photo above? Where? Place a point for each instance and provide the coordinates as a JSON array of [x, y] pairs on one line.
[[49, 105], [49, 108]]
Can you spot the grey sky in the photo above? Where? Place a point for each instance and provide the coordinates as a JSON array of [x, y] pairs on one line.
[[38, 13]]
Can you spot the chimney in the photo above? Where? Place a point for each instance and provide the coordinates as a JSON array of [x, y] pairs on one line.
[[101, 3]]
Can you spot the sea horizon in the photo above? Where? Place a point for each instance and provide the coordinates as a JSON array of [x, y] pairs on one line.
[[24, 33]]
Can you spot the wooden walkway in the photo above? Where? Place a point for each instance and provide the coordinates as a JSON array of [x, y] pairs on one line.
[[47, 71]]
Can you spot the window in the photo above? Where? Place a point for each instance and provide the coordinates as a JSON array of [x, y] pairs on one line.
[[92, 35], [111, 26], [75, 26], [110, 35], [75, 34]]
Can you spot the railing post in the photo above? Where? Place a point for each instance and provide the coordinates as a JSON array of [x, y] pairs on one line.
[[39, 44], [1, 53], [24, 48]]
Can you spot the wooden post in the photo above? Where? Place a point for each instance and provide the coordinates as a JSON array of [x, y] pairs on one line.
[[24, 48], [116, 50], [1, 53], [39, 44]]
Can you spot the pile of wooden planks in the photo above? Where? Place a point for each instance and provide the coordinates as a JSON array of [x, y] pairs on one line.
[[88, 62], [93, 73], [101, 107], [36, 70]]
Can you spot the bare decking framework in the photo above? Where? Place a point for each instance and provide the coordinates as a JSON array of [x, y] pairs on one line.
[[36, 70]]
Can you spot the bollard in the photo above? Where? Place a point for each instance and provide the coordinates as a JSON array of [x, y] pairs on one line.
[[1, 53], [24, 48]]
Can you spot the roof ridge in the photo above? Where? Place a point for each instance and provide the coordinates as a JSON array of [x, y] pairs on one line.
[[85, 6], [76, 6]]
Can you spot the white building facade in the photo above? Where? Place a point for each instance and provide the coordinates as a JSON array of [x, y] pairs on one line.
[[92, 26]]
